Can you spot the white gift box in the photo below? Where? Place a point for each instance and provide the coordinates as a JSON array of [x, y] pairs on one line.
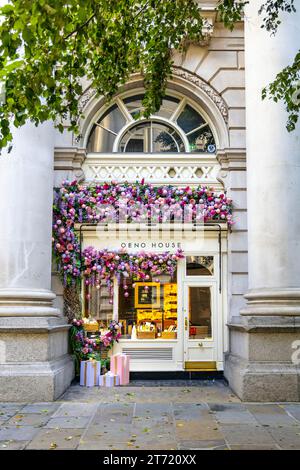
[[90, 372], [109, 380]]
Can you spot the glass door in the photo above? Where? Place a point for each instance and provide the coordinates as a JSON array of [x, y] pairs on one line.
[[200, 326]]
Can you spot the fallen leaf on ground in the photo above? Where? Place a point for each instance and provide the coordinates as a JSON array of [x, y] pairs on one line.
[[53, 445]]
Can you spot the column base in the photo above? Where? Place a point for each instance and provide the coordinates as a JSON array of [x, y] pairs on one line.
[[260, 382], [264, 362], [36, 381], [34, 360]]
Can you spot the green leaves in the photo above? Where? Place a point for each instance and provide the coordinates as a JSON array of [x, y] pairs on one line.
[[231, 11], [286, 88], [271, 11], [47, 48]]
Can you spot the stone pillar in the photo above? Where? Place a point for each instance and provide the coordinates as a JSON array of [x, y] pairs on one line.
[[34, 360], [260, 364]]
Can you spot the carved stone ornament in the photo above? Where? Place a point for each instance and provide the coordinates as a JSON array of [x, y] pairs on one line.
[[208, 90], [185, 75], [85, 98]]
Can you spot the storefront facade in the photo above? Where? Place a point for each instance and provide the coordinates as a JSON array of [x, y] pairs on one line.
[[168, 323], [233, 303]]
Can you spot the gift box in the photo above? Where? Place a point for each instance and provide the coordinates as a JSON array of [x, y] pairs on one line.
[[90, 371], [119, 365], [109, 380]]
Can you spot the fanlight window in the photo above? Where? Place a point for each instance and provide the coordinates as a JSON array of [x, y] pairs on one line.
[[176, 127]]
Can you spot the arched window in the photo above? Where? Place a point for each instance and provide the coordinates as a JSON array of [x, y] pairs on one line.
[[177, 127]]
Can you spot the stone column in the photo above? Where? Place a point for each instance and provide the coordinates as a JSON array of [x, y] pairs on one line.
[[34, 360], [260, 365]]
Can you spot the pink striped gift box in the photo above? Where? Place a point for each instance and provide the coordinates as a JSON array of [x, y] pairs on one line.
[[119, 365]]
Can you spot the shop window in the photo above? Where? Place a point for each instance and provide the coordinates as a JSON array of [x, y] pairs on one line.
[[199, 265], [148, 310], [199, 312], [97, 306]]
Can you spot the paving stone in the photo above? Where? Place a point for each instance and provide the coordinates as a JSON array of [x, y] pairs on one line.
[[293, 410], [235, 413], [43, 408], [271, 415], [195, 422], [100, 445], [60, 439], [113, 432], [150, 417], [17, 433], [28, 419], [68, 422], [255, 447], [154, 445], [192, 392], [150, 433], [3, 421], [205, 429], [207, 445], [161, 412], [246, 435], [13, 445], [288, 438], [192, 411], [9, 410], [80, 409], [17, 405], [109, 413]]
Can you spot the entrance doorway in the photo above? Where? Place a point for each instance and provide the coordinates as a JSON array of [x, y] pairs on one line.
[[200, 325]]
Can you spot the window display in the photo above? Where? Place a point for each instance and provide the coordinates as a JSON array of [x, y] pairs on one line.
[[98, 311], [149, 310]]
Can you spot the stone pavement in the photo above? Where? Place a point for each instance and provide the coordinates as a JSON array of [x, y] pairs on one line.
[[150, 415]]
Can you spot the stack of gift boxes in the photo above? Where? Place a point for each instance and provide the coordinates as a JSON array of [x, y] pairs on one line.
[[90, 372]]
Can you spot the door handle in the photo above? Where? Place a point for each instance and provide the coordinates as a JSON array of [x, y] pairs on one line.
[[185, 323]]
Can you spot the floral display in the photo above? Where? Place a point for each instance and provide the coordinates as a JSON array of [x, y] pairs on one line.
[[104, 265], [85, 348], [125, 202], [75, 203]]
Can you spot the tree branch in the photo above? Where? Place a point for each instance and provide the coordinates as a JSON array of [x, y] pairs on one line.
[[80, 27]]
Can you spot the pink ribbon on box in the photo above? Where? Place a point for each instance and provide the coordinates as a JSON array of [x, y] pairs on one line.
[[119, 365]]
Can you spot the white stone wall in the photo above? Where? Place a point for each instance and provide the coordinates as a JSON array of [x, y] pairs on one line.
[[221, 65]]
